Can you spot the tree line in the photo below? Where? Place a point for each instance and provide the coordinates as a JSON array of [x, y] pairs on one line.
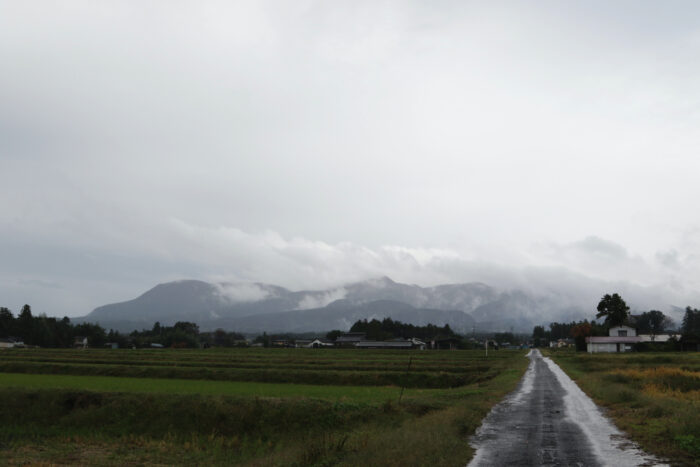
[[46, 331], [43, 331], [391, 329]]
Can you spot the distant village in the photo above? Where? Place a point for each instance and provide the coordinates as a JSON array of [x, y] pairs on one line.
[[616, 331]]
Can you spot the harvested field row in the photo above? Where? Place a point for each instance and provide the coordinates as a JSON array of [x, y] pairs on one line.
[[291, 355], [356, 394], [270, 375], [309, 365]]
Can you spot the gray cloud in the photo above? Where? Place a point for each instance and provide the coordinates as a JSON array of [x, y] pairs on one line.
[[314, 143]]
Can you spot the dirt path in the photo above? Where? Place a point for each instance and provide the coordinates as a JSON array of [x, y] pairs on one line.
[[547, 421]]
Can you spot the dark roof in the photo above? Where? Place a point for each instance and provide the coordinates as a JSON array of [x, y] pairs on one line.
[[385, 344], [351, 337]]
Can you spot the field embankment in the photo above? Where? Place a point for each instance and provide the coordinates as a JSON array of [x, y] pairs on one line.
[[654, 397], [221, 412]]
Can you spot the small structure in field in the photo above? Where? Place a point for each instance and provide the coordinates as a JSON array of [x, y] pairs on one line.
[[444, 343], [619, 339], [10, 342], [316, 343], [80, 342], [319, 343]]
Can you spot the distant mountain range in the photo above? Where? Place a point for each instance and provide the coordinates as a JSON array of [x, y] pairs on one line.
[[256, 307]]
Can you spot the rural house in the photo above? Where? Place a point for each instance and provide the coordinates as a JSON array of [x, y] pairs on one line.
[[619, 339], [412, 343], [384, 345], [349, 339]]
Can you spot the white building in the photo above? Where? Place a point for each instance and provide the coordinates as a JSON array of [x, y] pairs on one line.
[[663, 337], [619, 339], [6, 343]]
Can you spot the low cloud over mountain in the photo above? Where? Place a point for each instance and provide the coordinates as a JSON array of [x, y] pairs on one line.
[[257, 307]]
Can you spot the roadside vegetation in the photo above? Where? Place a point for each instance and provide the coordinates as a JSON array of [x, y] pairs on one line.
[[62, 406], [654, 397]]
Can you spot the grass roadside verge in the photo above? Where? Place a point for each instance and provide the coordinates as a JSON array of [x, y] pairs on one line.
[[654, 397]]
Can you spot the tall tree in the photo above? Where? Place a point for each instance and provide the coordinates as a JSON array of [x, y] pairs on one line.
[[653, 322], [614, 309], [691, 323], [538, 334], [579, 332], [7, 322], [25, 325]]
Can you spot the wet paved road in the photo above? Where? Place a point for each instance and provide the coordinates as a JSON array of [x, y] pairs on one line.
[[548, 421]]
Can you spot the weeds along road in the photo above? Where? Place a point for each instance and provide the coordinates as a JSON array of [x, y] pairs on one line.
[[548, 420]]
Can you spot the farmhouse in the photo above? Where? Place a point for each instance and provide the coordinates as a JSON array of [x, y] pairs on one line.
[[619, 339], [349, 339], [393, 344], [384, 345]]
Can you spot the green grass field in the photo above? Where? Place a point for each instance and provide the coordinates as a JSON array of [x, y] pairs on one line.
[[247, 406], [365, 394], [654, 397], [300, 366]]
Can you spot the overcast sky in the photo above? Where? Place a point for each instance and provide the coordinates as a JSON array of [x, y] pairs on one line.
[[310, 144]]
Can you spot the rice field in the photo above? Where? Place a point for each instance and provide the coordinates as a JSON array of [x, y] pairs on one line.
[[247, 406], [300, 366]]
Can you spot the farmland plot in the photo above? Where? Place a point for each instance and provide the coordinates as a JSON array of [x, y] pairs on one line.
[[247, 406]]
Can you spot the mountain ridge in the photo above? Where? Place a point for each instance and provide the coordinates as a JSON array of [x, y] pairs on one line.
[[257, 307]]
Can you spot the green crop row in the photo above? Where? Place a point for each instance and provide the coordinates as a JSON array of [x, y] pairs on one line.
[[335, 365], [248, 354], [414, 379]]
